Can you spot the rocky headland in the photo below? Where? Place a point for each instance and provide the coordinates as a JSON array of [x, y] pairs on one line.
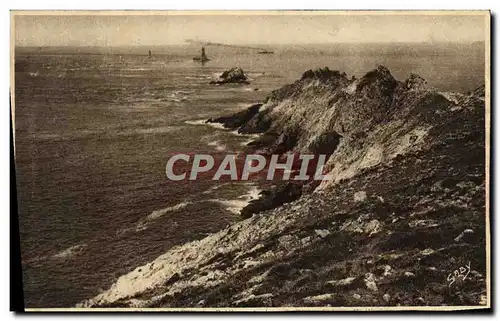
[[405, 210]]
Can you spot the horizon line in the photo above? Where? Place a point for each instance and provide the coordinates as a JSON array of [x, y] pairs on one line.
[[260, 44]]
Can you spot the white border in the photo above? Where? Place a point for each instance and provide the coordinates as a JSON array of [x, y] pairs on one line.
[[186, 4]]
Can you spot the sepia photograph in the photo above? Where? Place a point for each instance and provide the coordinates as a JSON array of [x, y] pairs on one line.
[[251, 160]]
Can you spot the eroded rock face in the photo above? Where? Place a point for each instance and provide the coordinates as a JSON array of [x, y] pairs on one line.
[[232, 76], [358, 123], [407, 208]]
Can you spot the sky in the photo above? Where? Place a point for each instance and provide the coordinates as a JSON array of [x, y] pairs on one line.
[[167, 29]]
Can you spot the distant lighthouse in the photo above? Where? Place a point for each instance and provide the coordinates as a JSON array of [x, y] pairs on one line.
[[203, 57]]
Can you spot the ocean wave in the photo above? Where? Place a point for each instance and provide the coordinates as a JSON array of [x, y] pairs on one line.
[[152, 130], [144, 223], [216, 143], [204, 122], [136, 69], [236, 205], [217, 146], [250, 136], [213, 188], [71, 251], [248, 141], [159, 213], [232, 205], [249, 89]]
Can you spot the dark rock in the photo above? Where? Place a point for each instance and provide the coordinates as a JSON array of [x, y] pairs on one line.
[[260, 123], [266, 140], [232, 76], [325, 143], [236, 120], [310, 186], [284, 143], [378, 83], [274, 143], [272, 198], [321, 73]]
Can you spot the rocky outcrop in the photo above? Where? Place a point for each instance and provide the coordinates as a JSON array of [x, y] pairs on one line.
[[405, 209], [232, 76], [415, 82], [272, 198], [237, 120]]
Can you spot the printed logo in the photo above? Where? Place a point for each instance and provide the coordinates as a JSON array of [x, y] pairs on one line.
[[291, 166]]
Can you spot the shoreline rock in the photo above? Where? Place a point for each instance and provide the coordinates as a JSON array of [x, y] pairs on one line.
[[237, 120], [272, 198]]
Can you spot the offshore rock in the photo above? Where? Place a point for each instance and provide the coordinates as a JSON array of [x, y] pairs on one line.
[[232, 76]]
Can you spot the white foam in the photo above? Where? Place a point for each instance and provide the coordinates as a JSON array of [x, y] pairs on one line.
[[213, 188], [144, 223], [204, 122], [159, 213], [221, 148], [236, 205], [251, 137], [71, 251], [248, 141], [235, 132], [218, 146], [214, 143]]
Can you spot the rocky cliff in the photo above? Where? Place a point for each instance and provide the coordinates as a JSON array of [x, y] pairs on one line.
[[405, 209]]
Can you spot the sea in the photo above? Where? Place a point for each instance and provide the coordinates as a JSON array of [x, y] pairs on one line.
[[94, 128]]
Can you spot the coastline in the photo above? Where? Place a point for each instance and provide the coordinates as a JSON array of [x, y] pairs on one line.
[[358, 221]]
